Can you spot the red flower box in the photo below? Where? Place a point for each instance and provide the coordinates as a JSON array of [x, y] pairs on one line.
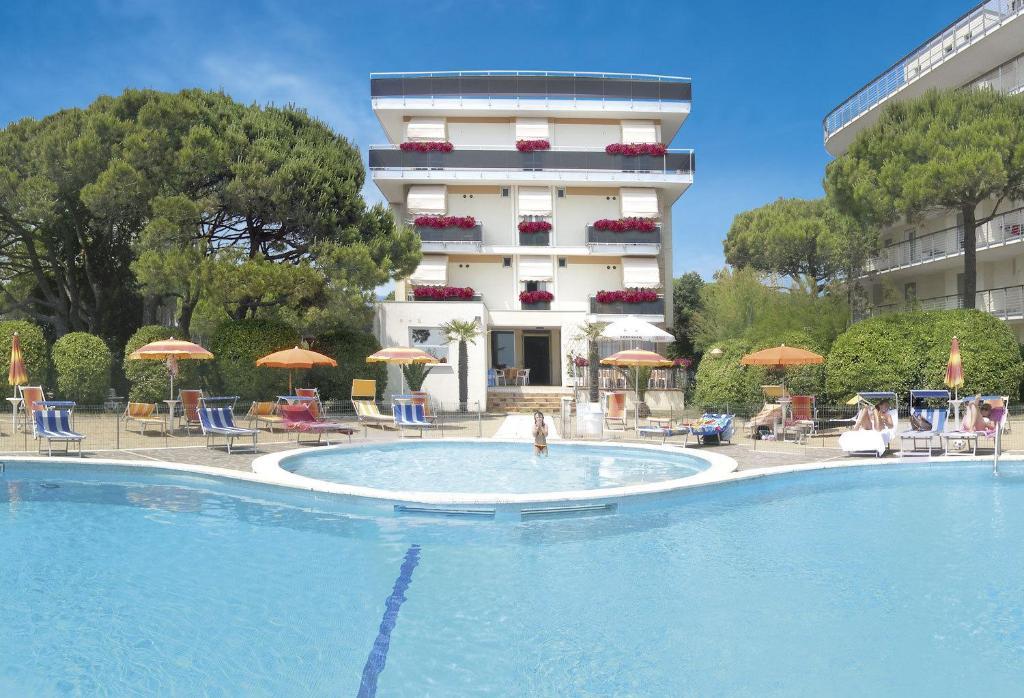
[[581, 362], [530, 297], [636, 149], [528, 146], [623, 225], [427, 146], [534, 227], [443, 293], [629, 295], [445, 221]]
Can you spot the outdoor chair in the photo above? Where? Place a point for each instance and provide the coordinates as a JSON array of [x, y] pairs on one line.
[[145, 415], [315, 406], [55, 425], [1000, 418], [31, 401], [299, 419], [712, 426], [409, 415], [524, 376], [364, 394], [615, 413], [190, 408], [220, 421], [266, 412]]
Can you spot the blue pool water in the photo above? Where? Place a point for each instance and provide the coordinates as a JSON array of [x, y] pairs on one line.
[[454, 466], [895, 580]]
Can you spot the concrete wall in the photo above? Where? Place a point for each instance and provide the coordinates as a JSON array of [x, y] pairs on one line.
[[492, 210], [580, 208], [570, 133], [583, 277], [487, 276], [481, 131]]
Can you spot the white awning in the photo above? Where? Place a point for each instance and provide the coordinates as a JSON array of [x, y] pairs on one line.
[[432, 271], [425, 128], [639, 203], [427, 199], [534, 201], [639, 131], [535, 269], [529, 128], [641, 272]]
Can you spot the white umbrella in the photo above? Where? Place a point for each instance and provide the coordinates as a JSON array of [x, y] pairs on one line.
[[634, 329]]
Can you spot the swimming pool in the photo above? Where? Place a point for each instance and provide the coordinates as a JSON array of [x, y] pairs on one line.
[[884, 580], [493, 467]]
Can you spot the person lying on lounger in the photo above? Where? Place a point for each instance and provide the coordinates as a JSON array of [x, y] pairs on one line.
[[978, 416], [875, 418]]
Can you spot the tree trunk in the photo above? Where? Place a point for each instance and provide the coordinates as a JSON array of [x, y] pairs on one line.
[[593, 373], [970, 257], [463, 377], [185, 317]]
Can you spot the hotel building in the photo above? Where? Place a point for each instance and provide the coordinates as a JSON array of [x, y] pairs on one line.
[[510, 183], [921, 263]]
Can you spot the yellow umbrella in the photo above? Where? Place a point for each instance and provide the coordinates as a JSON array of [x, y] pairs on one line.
[[636, 358], [295, 358], [402, 355], [16, 374], [170, 350]]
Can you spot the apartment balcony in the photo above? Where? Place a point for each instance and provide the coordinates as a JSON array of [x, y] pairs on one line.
[[655, 307], [393, 168], [630, 242], [1002, 231], [665, 98], [448, 239], [981, 39], [1006, 303]]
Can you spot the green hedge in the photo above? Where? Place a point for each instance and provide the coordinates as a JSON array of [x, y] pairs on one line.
[[350, 349], [237, 344], [33, 348], [82, 362], [903, 351], [149, 381]]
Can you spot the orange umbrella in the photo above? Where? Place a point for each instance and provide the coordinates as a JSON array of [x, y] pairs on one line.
[[16, 374], [401, 355], [781, 356], [954, 368], [170, 350], [295, 358]]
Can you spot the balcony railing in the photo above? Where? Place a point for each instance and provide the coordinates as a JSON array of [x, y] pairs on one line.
[[391, 157], [655, 307], [1006, 303], [451, 235], [629, 237], [532, 84], [968, 29], [1003, 229]]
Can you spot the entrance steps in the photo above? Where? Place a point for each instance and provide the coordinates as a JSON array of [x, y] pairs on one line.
[[520, 400]]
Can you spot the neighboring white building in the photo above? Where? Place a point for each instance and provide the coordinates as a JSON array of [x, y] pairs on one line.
[[570, 186], [921, 264]]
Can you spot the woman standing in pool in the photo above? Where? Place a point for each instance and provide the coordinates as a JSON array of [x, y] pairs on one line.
[[540, 434]]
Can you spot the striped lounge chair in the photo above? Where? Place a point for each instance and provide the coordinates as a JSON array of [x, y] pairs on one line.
[[220, 421], [409, 415], [55, 425]]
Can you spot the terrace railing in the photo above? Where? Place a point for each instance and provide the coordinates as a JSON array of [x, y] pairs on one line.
[[1006, 303]]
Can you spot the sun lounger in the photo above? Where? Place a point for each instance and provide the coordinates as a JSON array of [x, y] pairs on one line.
[[190, 408], [266, 412], [712, 426], [316, 407], [31, 397], [871, 440], [409, 415], [219, 421], [615, 413], [145, 415], [937, 416], [364, 395], [299, 419], [664, 433], [966, 437], [55, 425], [765, 420]]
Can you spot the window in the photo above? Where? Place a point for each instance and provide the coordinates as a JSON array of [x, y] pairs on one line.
[[506, 192], [562, 263], [530, 128], [506, 262], [503, 349], [639, 131], [425, 128], [560, 192], [430, 340], [535, 286], [427, 199], [534, 201]]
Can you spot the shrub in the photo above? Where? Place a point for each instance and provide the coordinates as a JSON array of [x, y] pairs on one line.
[[237, 344], [350, 349], [903, 351], [82, 362], [149, 381], [33, 348]]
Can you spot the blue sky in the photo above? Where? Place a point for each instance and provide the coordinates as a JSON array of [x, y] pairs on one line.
[[764, 74]]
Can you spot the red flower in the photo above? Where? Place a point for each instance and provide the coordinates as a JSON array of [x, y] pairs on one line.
[[682, 362], [427, 146], [528, 146], [629, 295], [622, 225], [581, 362], [445, 221], [534, 227], [440, 293], [531, 297], [636, 149]]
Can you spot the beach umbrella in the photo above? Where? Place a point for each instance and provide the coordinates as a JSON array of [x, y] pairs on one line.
[[954, 368], [16, 374], [172, 351], [295, 358], [632, 328], [635, 358], [782, 356], [402, 356]]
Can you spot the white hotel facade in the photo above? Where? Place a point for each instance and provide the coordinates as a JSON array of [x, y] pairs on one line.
[[493, 187], [921, 262]]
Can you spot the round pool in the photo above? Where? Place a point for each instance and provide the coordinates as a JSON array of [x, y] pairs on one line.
[[493, 467], [883, 580]]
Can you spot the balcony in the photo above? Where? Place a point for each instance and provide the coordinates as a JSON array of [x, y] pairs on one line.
[[624, 243], [440, 239], [963, 33], [1006, 303], [1004, 229], [656, 307]]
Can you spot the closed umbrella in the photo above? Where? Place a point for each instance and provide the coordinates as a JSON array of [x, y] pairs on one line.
[[955, 374], [400, 356], [171, 350], [16, 374], [295, 358]]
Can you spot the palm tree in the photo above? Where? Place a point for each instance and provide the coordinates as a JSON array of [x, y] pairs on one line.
[[464, 332], [591, 332]]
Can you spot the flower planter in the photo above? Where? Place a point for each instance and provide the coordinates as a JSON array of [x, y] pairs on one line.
[[539, 305], [628, 237], [535, 239], [656, 307], [453, 234]]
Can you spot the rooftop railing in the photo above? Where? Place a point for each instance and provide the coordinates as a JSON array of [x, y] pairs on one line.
[[965, 31], [532, 84]]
